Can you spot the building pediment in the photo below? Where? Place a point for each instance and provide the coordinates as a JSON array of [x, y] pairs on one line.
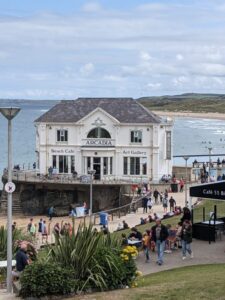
[[97, 117]]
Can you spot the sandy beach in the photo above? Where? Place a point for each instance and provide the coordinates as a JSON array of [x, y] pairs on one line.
[[173, 114]]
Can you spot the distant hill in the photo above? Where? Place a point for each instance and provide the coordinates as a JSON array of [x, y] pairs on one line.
[[190, 102], [28, 104]]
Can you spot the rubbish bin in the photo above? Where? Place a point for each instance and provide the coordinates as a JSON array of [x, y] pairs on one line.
[[174, 187], [103, 219]]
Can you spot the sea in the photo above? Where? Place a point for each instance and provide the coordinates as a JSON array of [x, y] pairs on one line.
[[191, 136]]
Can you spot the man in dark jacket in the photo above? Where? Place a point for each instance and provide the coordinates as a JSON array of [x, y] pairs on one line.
[[159, 236], [145, 204]]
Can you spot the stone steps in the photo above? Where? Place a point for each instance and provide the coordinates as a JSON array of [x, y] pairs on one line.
[[16, 206]]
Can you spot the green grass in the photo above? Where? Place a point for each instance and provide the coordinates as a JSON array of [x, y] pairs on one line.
[[204, 282], [186, 102], [198, 216]]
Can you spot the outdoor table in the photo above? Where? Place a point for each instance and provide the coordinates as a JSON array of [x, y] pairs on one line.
[[3, 263]]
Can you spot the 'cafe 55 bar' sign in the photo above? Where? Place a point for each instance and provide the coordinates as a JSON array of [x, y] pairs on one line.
[[210, 191]]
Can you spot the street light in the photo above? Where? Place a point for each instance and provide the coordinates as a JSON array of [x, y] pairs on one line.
[[9, 113], [91, 172], [186, 196]]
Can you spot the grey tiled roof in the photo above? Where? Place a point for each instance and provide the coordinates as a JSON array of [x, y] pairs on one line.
[[125, 110]]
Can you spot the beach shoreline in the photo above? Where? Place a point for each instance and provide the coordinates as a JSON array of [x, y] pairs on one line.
[[178, 114]]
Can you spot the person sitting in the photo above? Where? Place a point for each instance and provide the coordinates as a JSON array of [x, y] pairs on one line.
[[104, 229], [135, 234], [119, 227], [125, 225], [124, 240], [142, 221], [150, 219]]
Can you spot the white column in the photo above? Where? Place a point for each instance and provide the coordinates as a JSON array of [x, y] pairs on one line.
[[155, 154], [69, 164], [102, 166]]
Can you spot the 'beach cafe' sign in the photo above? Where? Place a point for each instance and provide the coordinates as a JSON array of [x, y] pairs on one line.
[[209, 191]]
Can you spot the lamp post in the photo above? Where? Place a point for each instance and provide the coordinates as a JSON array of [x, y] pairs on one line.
[[186, 175], [9, 114], [91, 172]]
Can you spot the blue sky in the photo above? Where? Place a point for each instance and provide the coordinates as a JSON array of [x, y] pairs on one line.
[[64, 49]]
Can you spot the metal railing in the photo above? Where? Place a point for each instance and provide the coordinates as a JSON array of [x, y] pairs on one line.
[[35, 176]]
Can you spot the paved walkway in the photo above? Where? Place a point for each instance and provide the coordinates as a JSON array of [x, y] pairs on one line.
[[204, 253]]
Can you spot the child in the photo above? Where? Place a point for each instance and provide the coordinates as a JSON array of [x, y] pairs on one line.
[[145, 243]]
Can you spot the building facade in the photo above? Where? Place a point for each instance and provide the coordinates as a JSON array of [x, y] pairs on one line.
[[117, 137]]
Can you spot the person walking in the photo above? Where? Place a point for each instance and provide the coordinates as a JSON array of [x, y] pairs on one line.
[[144, 204], [21, 260], [146, 246], [159, 236], [149, 204], [165, 204], [156, 195], [40, 223], [186, 239], [172, 203], [44, 232], [51, 212], [181, 185]]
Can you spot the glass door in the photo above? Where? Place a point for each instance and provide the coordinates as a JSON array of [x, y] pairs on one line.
[[97, 167]]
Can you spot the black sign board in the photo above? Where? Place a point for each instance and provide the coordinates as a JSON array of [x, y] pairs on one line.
[[212, 191]]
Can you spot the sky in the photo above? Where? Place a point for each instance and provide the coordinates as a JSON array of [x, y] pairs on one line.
[[64, 49]]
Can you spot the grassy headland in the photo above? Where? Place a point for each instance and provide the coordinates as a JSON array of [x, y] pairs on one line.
[[206, 103]]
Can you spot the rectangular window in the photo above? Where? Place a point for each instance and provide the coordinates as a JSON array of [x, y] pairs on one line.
[[88, 163], [136, 136], [125, 165], [105, 165], [72, 158], [168, 145], [144, 165], [63, 164], [54, 161], [62, 135], [134, 165]]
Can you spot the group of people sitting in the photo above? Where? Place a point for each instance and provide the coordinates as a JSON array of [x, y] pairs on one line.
[[163, 238]]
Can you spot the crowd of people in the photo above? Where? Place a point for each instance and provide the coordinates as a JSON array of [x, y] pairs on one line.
[[163, 238]]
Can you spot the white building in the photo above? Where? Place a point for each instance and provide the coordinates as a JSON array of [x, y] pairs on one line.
[[117, 137]]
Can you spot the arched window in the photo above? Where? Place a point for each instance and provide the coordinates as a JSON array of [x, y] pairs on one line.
[[99, 132]]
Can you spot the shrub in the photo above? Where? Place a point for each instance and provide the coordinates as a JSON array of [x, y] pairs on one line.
[[95, 259], [17, 235], [39, 279]]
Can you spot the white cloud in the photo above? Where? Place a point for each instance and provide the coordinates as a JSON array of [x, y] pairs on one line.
[[179, 57], [87, 69], [156, 85], [92, 7], [145, 55], [153, 48]]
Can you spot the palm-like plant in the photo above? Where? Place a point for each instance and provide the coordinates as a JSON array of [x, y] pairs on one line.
[[81, 252], [17, 235]]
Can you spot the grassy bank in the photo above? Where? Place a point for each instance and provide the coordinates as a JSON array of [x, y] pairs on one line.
[[189, 283], [186, 102], [198, 216]]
